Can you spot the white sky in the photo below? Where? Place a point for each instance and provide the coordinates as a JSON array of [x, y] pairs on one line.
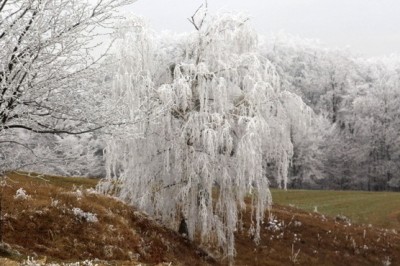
[[369, 27]]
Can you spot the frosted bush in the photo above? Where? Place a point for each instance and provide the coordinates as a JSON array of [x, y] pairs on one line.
[[77, 192], [54, 202], [297, 223], [387, 261], [30, 262], [91, 191], [21, 194], [87, 216], [274, 225], [342, 218]]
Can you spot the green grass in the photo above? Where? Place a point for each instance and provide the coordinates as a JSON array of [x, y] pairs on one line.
[[380, 209]]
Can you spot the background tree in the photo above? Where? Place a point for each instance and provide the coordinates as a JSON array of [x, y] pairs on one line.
[[376, 124], [308, 133], [358, 98]]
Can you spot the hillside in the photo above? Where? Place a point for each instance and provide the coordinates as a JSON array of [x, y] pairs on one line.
[[63, 220]]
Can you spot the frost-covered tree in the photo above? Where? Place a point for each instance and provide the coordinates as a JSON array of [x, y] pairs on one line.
[[323, 77], [212, 119], [49, 75], [326, 80], [376, 126], [363, 150], [64, 154], [308, 133]]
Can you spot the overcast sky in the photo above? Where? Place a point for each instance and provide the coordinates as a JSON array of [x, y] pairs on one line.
[[369, 27]]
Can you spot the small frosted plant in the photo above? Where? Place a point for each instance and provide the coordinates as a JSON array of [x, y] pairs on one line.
[[54, 202], [294, 257], [87, 216], [21, 194], [387, 261]]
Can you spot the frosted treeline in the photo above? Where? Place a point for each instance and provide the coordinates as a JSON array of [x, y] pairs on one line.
[[354, 144]]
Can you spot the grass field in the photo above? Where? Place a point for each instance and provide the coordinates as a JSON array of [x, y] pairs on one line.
[[380, 209]]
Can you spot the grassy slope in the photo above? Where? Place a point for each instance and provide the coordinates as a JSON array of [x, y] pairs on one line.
[[45, 224], [380, 209], [122, 234]]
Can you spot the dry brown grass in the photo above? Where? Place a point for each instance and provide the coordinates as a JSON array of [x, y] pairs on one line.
[[320, 240], [45, 225], [127, 237]]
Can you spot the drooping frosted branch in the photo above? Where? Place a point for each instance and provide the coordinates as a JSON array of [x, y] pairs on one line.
[[222, 121]]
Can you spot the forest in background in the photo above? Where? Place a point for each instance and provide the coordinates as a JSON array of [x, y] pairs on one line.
[[352, 141], [355, 142]]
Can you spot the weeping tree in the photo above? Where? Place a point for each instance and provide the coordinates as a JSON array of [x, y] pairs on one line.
[[212, 118]]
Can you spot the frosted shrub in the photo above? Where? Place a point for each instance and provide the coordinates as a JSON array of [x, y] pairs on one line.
[[297, 223], [87, 216], [21, 194], [54, 202], [387, 261], [78, 194], [30, 262], [91, 191]]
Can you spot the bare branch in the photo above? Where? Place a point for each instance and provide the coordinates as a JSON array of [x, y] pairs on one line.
[[16, 20], [3, 4], [192, 19], [54, 131], [19, 144]]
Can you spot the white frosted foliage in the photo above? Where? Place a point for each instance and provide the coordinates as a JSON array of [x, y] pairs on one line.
[[211, 118]]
